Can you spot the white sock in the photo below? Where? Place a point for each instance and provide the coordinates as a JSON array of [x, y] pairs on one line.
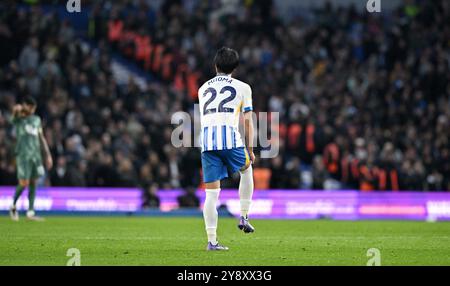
[[246, 190], [210, 214]]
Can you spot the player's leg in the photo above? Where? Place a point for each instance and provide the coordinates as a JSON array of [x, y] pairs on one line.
[[37, 171], [23, 175], [239, 160], [23, 184], [13, 212], [246, 187], [31, 198], [31, 215], [213, 172], [210, 214]]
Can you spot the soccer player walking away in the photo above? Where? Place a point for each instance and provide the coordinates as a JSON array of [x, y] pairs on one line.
[[30, 140], [222, 99]]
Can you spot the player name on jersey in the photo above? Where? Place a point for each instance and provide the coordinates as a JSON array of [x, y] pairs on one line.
[[226, 79]]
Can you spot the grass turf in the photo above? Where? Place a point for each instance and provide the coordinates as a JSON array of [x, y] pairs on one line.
[[181, 241]]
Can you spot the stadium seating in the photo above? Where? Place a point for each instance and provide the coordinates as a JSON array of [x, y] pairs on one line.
[[363, 100]]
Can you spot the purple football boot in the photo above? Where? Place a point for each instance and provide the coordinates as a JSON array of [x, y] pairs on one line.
[[217, 247], [245, 225]]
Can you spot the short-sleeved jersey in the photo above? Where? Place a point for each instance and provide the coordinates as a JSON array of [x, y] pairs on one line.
[[221, 101], [27, 129]]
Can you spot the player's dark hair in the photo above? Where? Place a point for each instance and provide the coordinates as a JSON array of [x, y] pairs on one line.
[[28, 100], [226, 60]]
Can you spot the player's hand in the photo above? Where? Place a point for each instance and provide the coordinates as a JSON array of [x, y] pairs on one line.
[[252, 156], [17, 108], [49, 162]]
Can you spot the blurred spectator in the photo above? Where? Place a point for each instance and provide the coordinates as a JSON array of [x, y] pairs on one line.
[[319, 174], [189, 199], [29, 57], [278, 177], [151, 199], [190, 166], [368, 94]]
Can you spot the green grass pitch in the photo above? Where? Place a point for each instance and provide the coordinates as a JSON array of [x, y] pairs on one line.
[[181, 241]]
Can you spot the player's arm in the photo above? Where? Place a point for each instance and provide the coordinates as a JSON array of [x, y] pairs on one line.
[[248, 121], [249, 133], [16, 112], [47, 153]]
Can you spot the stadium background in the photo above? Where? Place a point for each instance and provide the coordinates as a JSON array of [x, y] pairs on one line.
[[363, 98]]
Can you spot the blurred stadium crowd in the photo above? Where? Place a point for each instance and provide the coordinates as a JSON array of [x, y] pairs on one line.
[[364, 99]]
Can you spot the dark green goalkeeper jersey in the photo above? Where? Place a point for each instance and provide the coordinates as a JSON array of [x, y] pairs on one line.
[[28, 146]]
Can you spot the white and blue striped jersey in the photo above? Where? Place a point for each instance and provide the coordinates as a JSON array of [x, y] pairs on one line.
[[221, 100]]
